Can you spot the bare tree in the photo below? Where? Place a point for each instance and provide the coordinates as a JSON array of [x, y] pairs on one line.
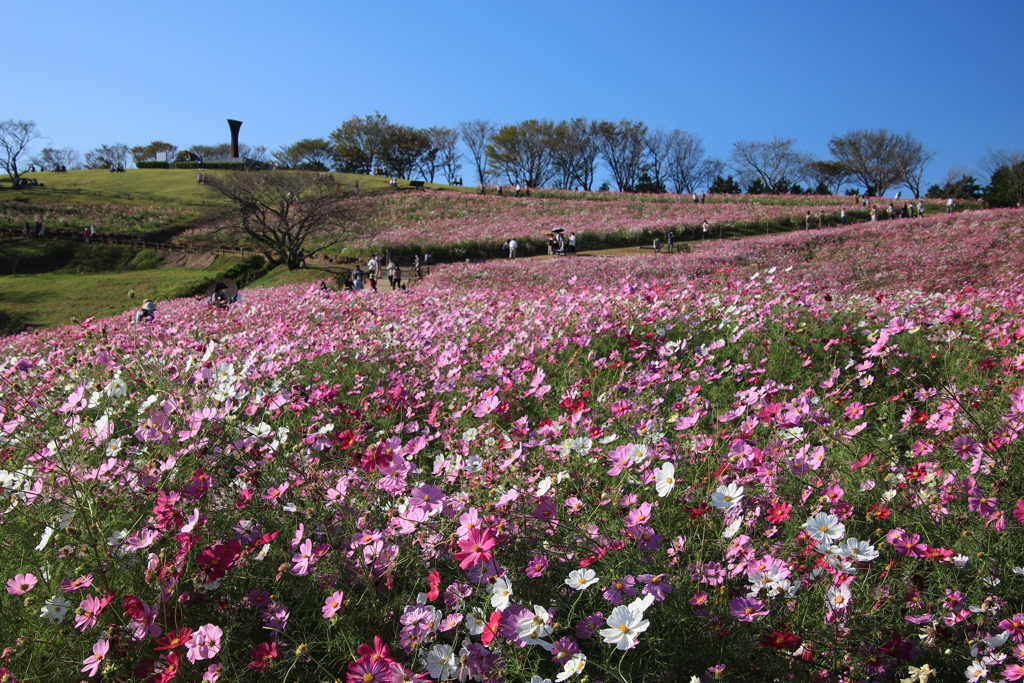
[[659, 145], [67, 158], [686, 163], [912, 159], [16, 137], [477, 135], [880, 160], [443, 154], [108, 156], [575, 150], [288, 215], [776, 164], [624, 149]]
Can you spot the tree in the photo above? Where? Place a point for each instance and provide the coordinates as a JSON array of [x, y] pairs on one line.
[[1006, 187], [149, 152], [256, 153], [832, 175], [106, 156], [724, 186], [358, 143], [959, 184], [477, 134], [687, 165], [67, 158], [16, 137], [402, 148], [624, 149], [574, 154], [445, 143], [522, 152], [309, 154], [776, 164], [913, 159], [880, 160], [288, 215]]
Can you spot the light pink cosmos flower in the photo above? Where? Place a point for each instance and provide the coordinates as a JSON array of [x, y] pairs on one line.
[[99, 653], [204, 643], [21, 584], [333, 603]]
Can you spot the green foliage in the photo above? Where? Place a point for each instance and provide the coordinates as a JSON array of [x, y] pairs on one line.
[[152, 164], [210, 166], [648, 186], [1007, 186], [725, 186]]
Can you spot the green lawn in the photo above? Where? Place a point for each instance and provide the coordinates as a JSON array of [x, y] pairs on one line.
[[51, 299], [149, 186]]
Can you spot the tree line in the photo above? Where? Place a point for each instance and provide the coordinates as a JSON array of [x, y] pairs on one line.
[[569, 155]]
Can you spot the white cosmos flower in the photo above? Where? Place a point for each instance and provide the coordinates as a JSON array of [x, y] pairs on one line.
[[733, 527], [824, 527], [54, 609], [441, 662], [857, 550], [501, 593], [580, 579], [665, 479], [572, 667], [727, 496], [624, 626]]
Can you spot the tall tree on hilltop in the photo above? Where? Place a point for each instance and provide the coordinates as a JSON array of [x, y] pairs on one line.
[[776, 164], [16, 138], [574, 154], [359, 142], [522, 153], [477, 135], [880, 160], [623, 148], [308, 154]]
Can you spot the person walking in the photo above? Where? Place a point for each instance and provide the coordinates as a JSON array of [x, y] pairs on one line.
[[707, 230], [513, 245], [572, 242], [391, 274], [670, 239], [416, 267], [396, 278]]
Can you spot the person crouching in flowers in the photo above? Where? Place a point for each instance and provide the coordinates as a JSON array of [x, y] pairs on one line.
[[146, 313]]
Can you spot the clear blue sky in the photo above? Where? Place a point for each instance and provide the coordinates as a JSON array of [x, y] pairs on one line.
[[91, 73]]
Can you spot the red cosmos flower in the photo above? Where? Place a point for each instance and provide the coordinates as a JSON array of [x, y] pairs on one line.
[[263, 656], [346, 439], [782, 640], [491, 629], [696, 512], [218, 559], [435, 582], [170, 669], [173, 640]]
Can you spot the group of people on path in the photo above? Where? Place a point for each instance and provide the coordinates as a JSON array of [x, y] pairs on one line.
[[376, 268]]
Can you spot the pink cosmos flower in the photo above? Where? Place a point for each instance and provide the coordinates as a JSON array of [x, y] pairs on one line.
[[263, 656], [204, 643], [476, 548], [71, 585], [99, 653], [21, 584], [89, 610], [747, 609], [333, 604]]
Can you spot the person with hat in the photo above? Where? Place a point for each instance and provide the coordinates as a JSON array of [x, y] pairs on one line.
[[147, 312]]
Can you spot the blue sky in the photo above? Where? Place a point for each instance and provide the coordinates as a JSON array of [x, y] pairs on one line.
[[92, 73]]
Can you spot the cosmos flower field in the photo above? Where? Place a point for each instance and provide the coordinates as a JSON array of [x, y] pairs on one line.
[[784, 458]]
